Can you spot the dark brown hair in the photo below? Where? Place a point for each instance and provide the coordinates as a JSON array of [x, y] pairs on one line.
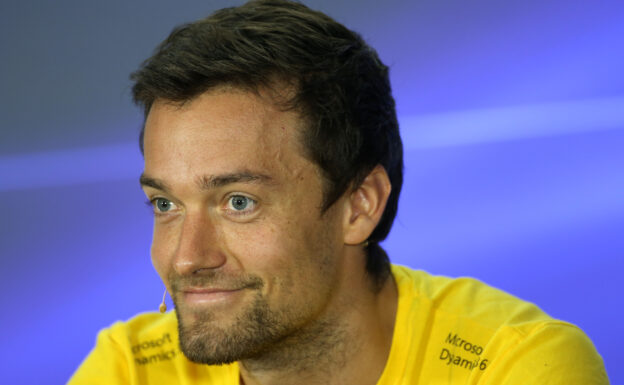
[[341, 87]]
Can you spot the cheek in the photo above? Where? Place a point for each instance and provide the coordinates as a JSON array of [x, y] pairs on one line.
[[157, 262], [255, 247], [264, 248], [286, 256], [163, 244]]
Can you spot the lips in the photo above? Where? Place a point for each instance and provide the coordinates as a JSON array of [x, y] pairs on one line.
[[206, 290], [199, 296], [212, 290]]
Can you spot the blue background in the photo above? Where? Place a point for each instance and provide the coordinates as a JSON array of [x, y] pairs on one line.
[[512, 113]]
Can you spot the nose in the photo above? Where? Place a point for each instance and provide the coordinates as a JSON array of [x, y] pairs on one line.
[[198, 245]]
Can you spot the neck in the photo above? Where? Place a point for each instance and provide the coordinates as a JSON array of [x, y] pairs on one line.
[[348, 346]]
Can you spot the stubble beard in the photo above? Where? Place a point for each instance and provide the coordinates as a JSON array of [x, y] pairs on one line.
[[263, 338], [247, 336]]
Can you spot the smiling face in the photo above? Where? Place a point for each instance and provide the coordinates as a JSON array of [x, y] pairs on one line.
[[239, 237]]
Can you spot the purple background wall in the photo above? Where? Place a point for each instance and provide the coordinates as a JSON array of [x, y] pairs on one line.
[[513, 119]]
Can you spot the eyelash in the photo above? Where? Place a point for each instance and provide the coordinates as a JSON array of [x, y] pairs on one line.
[[151, 203], [245, 211]]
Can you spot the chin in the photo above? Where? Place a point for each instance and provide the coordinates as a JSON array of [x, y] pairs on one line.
[[205, 339]]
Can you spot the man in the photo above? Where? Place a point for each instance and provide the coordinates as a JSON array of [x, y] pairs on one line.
[[274, 164]]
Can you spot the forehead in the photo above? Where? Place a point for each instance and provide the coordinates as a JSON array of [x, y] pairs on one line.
[[221, 131]]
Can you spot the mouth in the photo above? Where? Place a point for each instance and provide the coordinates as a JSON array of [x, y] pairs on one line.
[[209, 296]]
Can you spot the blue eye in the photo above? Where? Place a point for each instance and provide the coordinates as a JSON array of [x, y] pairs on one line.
[[241, 203], [162, 205]]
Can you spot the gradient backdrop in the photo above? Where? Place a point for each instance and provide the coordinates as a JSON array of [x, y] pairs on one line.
[[512, 114]]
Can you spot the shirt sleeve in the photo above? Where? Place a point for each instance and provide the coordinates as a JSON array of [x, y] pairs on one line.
[[105, 364], [554, 354]]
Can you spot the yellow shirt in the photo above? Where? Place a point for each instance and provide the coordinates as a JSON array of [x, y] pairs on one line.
[[447, 331]]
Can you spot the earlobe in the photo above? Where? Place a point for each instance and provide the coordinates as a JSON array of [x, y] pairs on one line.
[[366, 206]]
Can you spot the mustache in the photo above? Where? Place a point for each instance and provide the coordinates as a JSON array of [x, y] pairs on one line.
[[214, 279]]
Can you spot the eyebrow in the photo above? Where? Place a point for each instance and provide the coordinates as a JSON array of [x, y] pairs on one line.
[[208, 182], [214, 181], [147, 181]]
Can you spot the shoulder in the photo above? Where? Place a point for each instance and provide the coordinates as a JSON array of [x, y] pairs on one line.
[[143, 331], [465, 298], [474, 331], [553, 352], [144, 349]]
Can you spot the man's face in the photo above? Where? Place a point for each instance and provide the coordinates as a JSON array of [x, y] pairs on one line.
[[239, 238]]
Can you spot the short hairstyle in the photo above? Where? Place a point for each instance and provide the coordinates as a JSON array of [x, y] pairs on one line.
[[341, 89]]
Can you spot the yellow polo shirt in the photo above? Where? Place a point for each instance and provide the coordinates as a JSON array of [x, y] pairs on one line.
[[447, 331]]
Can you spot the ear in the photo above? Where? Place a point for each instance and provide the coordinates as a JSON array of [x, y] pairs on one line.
[[365, 206]]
